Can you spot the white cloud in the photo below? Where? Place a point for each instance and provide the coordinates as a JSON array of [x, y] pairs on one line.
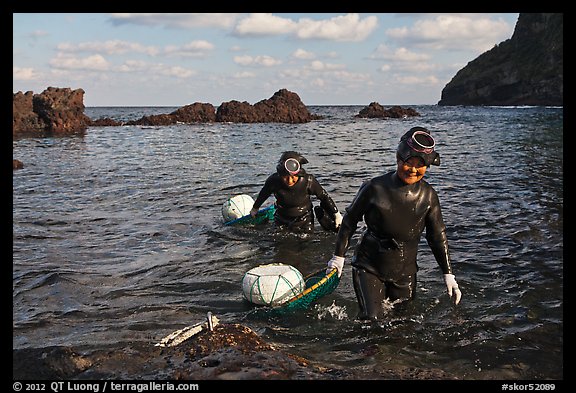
[[303, 54], [264, 24], [244, 75], [181, 21], [24, 74], [90, 63], [397, 55], [132, 66], [198, 48], [417, 80], [347, 76], [265, 61], [318, 65], [340, 28], [455, 32], [174, 71], [111, 47], [318, 82]]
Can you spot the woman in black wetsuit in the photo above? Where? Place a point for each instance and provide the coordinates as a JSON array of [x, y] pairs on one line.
[[396, 208], [292, 188]]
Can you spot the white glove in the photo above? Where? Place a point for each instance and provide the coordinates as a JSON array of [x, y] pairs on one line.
[[452, 286], [336, 262], [253, 212], [338, 219]]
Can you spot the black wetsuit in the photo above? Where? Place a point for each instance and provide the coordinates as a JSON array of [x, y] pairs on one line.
[[396, 214], [293, 204]]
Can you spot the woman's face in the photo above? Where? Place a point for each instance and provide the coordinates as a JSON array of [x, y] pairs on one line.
[[290, 180], [412, 170]]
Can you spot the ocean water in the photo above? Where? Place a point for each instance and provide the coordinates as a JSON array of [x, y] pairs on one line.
[[118, 238]]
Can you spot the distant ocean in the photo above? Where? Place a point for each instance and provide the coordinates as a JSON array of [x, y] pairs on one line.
[[118, 238]]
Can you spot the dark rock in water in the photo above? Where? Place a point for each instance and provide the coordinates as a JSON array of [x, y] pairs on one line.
[[188, 114], [236, 112], [60, 111], [55, 111], [17, 164], [527, 69], [229, 352], [105, 122], [24, 119], [283, 107], [375, 110]]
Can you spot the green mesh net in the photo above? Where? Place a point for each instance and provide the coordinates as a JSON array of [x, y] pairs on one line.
[[318, 284], [263, 215]]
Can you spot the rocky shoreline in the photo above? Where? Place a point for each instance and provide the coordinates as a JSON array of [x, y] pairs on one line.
[[60, 111], [228, 352]]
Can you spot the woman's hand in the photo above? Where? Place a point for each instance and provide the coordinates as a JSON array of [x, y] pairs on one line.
[[452, 286]]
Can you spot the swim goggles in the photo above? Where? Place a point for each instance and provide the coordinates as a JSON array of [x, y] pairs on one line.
[[292, 166], [421, 142]]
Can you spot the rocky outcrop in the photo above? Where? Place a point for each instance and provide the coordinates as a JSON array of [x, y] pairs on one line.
[[526, 69], [236, 111], [54, 111], [24, 119], [193, 113], [61, 111], [283, 107], [377, 111]]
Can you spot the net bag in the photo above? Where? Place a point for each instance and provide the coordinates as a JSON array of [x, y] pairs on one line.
[[317, 285], [272, 284], [264, 215]]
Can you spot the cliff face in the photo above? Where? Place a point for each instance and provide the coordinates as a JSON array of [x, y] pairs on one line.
[[526, 69]]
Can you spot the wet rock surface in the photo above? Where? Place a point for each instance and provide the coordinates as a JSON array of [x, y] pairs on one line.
[[229, 352]]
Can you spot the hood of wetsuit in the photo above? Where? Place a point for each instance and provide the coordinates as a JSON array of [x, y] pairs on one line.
[[418, 142], [290, 163]]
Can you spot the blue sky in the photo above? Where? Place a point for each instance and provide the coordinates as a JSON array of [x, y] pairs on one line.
[[178, 59]]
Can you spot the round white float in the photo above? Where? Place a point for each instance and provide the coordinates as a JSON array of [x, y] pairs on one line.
[[237, 206], [272, 284]]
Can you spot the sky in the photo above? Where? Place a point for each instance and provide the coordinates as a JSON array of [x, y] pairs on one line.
[[123, 59]]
